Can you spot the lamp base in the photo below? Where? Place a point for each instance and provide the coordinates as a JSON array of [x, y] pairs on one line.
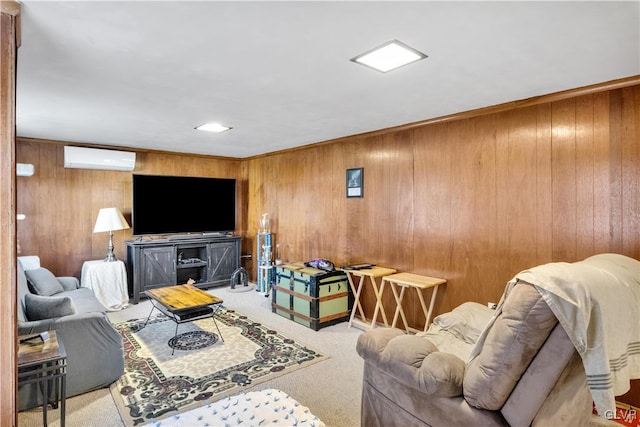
[[110, 258], [110, 255]]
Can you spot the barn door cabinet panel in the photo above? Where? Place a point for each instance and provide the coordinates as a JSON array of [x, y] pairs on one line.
[[223, 261], [157, 266]]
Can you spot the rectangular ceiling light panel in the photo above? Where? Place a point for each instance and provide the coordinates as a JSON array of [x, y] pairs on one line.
[[389, 56], [213, 127]]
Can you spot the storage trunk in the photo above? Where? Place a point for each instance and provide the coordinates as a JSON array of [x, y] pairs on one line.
[[314, 298]]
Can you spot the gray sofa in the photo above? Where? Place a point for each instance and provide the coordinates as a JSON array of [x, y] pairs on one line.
[[95, 356], [516, 366]]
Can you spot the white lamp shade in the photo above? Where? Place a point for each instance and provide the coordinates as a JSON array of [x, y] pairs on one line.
[[110, 219]]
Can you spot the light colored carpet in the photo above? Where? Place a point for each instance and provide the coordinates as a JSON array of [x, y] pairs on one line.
[[331, 389]]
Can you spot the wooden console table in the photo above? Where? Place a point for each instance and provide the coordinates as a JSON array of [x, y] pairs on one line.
[[417, 282], [208, 260], [374, 274]]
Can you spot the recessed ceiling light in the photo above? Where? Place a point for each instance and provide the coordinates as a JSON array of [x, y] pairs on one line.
[[389, 56], [213, 127]]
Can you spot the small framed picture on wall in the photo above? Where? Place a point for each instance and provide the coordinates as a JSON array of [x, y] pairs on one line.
[[355, 179]]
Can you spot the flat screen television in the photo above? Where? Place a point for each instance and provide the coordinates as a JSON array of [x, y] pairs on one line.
[[164, 204]]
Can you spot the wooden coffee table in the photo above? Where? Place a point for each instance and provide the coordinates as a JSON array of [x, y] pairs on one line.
[[184, 303]]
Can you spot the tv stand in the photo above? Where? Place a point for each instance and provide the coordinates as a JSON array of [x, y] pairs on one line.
[[208, 260], [184, 237]]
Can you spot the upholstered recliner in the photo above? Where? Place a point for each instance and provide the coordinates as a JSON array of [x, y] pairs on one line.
[[548, 352], [95, 356]]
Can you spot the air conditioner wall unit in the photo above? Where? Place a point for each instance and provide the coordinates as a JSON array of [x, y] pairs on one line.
[[95, 158]]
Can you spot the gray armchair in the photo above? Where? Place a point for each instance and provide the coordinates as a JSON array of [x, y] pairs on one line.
[[536, 361], [95, 356]]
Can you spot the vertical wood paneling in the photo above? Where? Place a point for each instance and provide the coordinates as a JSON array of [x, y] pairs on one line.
[[388, 200], [356, 210], [521, 186], [563, 173], [432, 242], [432, 161], [503, 202], [338, 205], [544, 194], [9, 12], [491, 195], [482, 267], [601, 181], [616, 225], [61, 205], [584, 177], [461, 196], [474, 200], [389, 207], [630, 181], [630, 194]]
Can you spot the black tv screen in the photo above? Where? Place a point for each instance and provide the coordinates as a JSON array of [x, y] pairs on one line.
[[165, 204]]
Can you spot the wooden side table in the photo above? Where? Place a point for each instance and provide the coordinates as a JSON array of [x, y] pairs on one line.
[[374, 274], [417, 282], [108, 280], [41, 362]]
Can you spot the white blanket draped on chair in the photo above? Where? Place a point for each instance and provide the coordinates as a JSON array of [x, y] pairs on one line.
[[597, 301]]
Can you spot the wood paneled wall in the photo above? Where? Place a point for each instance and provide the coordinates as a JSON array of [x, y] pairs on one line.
[[61, 205], [474, 200], [9, 43]]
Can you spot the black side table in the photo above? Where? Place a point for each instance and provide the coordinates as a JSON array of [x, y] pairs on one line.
[[44, 362]]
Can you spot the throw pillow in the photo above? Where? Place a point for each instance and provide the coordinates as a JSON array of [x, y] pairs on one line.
[[43, 282], [40, 307]]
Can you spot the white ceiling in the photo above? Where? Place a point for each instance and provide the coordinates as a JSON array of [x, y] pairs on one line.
[[143, 74]]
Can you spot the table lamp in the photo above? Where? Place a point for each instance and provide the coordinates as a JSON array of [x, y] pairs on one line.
[[110, 219]]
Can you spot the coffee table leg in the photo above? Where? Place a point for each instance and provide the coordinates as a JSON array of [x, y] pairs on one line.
[[173, 348], [213, 317], [149, 316]]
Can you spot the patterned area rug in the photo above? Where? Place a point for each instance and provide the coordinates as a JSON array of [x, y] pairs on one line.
[[204, 367]]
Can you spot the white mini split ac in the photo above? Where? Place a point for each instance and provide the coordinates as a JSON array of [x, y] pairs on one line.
[[94, 158]]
